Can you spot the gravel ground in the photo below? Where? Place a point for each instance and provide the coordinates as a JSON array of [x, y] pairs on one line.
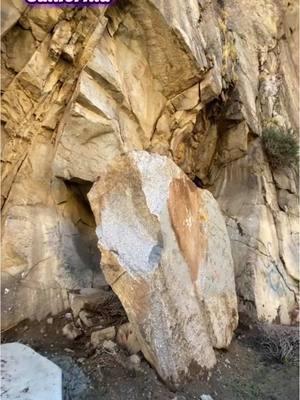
[[242, 372]]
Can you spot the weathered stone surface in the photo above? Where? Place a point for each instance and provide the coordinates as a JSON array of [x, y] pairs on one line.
[[71, 104], [134, 361], [211, 86], [166, 253], [234, 142], [88, 298], [20, 46], [188, 99], [26, 375], [71, 331], [66, 255], [110, 346], [86, 318], [89, 136], [48, 239], [285, 179], [264, 239], [10, 13], [126, 338], [99, 336]]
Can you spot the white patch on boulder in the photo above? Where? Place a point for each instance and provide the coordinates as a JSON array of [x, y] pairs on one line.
[[166, 253]]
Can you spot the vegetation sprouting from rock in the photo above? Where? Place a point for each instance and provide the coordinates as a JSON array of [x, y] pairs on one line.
[[282, 148]]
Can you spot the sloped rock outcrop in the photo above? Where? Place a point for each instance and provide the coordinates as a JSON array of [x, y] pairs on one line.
[[166, 254], [201, 81], [48, 232]]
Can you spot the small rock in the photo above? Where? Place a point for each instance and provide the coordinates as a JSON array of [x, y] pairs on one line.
[[134, 360], [67, 350], [109, 345], [211, 86], [71, 332], [68, 315], [85, 318], [227, 361], [97, 327], [50, 321], [126, 337], [98, 337], [206, 397], [79, 323]]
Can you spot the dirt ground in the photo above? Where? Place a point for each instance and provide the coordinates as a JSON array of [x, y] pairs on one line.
[[242, 372]]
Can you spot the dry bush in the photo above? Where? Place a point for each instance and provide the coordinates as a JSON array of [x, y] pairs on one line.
[[281, 147], [279, 343]]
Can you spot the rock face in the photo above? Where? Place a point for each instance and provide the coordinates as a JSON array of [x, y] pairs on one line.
[[48, 231], [166, 253], [201, 82]]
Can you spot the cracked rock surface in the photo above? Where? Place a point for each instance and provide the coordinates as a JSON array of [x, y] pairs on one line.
[[196, 82], [161, 240]]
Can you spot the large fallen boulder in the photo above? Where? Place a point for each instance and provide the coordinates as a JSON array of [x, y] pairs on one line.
[[166, 253], [26, 375]]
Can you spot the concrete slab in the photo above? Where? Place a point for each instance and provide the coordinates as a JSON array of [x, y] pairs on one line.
[[26, 375]]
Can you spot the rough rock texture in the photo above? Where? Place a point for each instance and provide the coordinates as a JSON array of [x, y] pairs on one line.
[[26, 375], [201, 81], [126, 337], [99, 336], [91, 298], [48, 232], [166, 253]]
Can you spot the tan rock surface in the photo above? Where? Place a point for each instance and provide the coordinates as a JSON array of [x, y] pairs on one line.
[[71, 103], [99, 336], [166, 254]]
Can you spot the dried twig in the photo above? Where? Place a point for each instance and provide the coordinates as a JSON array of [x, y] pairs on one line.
[[279, 343]]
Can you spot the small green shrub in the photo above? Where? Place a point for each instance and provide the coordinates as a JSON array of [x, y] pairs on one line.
[[282, 149]]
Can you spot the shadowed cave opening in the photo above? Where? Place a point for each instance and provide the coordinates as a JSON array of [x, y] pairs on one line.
[[101, 304], [86, 248], [85, 242]]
